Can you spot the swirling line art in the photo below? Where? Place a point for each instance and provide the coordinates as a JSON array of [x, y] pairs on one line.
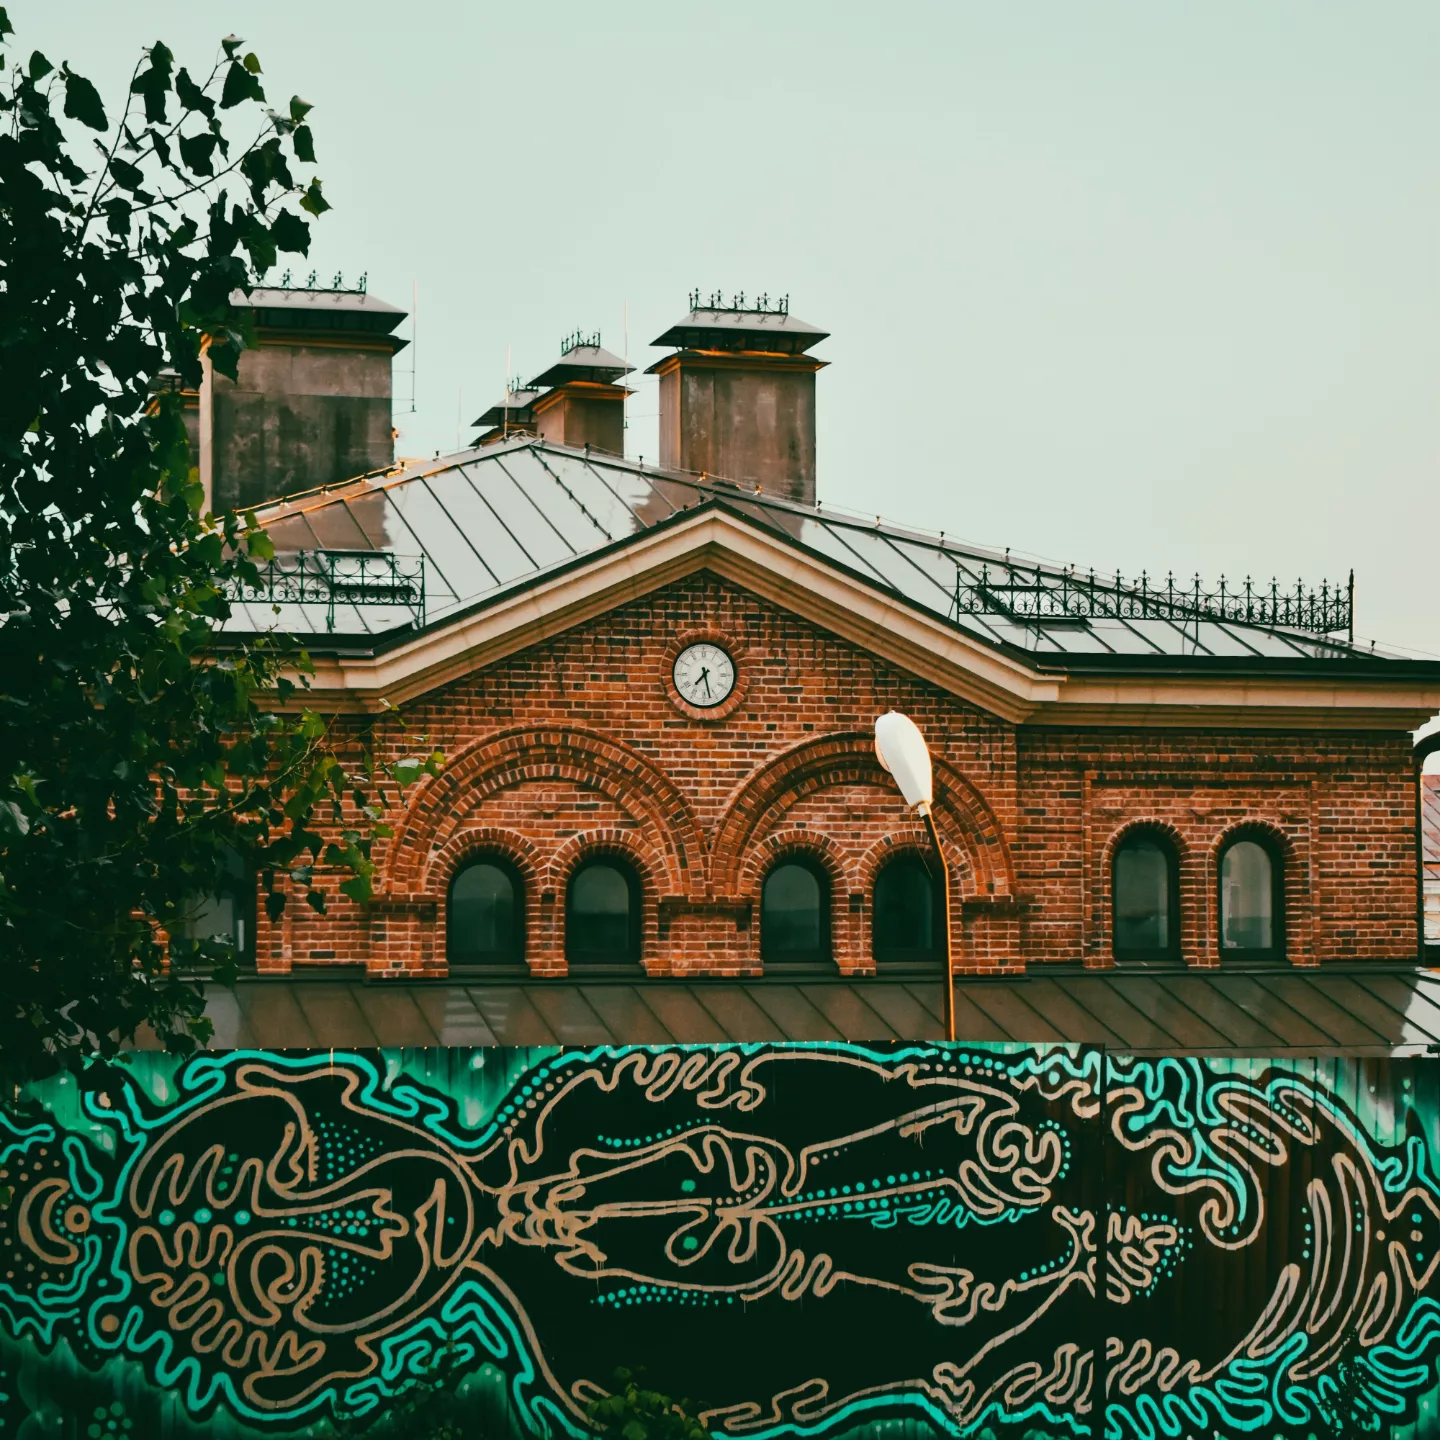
[[807, 1237]]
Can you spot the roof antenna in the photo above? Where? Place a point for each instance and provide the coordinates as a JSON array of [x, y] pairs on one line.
[[625, 356], [505, 417]]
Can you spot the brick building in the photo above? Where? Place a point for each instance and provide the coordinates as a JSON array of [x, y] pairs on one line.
[[655, 690]]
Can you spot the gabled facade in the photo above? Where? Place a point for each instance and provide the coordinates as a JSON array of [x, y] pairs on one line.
[[1242, 772]]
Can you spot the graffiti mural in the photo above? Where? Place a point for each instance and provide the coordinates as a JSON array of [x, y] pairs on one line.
[[807, 1238]]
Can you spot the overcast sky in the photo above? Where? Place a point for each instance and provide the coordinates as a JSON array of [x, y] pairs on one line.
[[1128, 283]]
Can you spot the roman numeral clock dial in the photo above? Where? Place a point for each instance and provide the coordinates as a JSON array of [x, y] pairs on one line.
[[704, 675]]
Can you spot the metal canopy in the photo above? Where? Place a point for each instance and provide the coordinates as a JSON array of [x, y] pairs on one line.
[[492, 520], [1374, 1010]]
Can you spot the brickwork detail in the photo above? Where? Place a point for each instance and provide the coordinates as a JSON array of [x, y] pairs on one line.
[[575, 748]]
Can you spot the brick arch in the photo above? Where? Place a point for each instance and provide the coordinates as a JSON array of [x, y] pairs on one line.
[[1297, 919], [962, 814], [1191, 887], [616, 845], [867, 871], [493, 763], [483, 840], [838, 868]]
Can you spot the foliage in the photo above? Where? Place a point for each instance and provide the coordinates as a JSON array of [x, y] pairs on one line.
[[632, 1412], [427, 1408], [138, 764]]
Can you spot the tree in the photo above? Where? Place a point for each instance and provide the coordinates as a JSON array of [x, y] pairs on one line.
[[139, 763], [633, 1412]]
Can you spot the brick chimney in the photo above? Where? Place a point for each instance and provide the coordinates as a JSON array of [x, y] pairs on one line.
[[312, 404], [737, 398], [584, 405]]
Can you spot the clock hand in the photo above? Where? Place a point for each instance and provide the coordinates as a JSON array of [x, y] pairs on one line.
[[705, 676]]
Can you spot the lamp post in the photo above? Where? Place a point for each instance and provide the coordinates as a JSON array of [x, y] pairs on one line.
[[902, 751]]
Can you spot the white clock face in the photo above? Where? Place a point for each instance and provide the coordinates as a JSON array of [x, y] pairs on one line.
[[704, 674]]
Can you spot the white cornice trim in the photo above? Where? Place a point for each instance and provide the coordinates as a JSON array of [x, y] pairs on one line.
[[809, 587]]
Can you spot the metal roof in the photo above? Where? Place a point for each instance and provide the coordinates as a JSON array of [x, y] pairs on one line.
[[583, 362], [492, 520], [1374, 1009], [725, 329]]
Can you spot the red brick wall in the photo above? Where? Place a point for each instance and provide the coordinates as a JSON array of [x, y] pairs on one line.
[[574, 747]]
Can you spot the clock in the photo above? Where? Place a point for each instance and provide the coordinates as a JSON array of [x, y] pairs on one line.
[[704, 675]]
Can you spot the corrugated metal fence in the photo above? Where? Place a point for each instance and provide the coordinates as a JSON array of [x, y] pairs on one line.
[[814, 1240]]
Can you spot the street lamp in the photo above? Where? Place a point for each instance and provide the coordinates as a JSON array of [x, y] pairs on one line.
[[902, 751]]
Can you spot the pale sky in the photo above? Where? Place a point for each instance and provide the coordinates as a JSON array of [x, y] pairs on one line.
[[1128, 283]]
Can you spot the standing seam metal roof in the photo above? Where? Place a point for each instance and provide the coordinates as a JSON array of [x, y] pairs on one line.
[[493, 519]]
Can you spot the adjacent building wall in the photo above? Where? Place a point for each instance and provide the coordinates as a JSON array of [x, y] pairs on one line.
[[578, 746]]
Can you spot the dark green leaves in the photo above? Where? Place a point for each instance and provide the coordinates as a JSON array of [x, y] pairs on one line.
[[138, 760], [82, 100], [291, 233], [313, 201], [153, 83], [240, 86], [197, 152]]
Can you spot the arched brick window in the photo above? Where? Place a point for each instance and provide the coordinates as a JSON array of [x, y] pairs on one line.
[[485, 915], [602, 913], [908, 917], [795, 913], [1145, 894], [1252, 898]]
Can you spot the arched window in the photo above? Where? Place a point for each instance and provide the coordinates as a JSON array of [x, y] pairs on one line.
[[909, 920], [485, 919], [1252, 911], [1145, 885], [795, 914], [602, 914], [226, 914]]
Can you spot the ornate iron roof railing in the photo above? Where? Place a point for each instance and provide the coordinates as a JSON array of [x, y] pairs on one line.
[[343, 577], [1034, 595]]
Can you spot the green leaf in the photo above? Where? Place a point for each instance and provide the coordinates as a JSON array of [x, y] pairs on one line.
[[13, 820], [358, 889], [240, 85], [5, 26], [192, 97], [313, 201], [252, 63], [304, 143], [299, 109], [82, 101], [290, 232], [230, 44], [154, 83], [197, 153], [126, 174], [260, 545], [40, 67]]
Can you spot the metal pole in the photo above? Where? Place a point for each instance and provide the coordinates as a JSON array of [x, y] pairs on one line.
[[949, 985]]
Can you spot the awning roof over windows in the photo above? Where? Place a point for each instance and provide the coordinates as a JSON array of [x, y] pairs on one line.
[[1364, 1009], [489, 522]]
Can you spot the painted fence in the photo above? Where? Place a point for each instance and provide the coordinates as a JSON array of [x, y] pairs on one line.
[[813, 1239]]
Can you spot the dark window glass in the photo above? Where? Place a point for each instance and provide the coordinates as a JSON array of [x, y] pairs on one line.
[[602, 916], [486, 916], [907, 912], [1145, 901], [794, 919], [228, 912], [1249, 909]]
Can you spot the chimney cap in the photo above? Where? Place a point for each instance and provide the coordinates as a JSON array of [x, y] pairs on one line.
[[584, 362], [514, 408], [735, 329]]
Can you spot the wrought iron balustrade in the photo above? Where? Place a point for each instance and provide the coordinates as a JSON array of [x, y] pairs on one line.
[[1035, 595], [342, 577]]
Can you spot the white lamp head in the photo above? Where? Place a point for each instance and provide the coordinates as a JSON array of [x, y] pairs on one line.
[[902, 751]]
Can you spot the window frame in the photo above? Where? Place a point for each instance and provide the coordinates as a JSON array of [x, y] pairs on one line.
[[243, 890], [595, 960], [1169, 954], [1276, 953], [892, 958], [502, 862], [825, 955]]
